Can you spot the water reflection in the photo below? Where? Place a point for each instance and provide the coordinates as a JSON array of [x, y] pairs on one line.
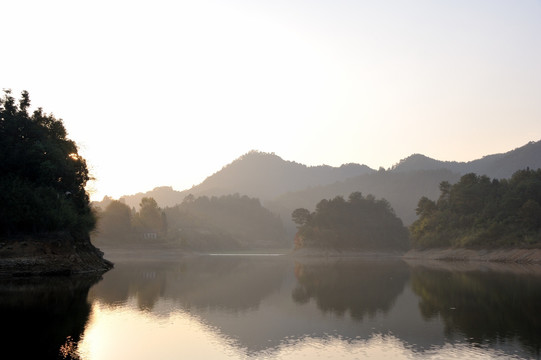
[[357, 287], [483, 306], [44, 318], [278, 307], [221, 283], [263, 306]]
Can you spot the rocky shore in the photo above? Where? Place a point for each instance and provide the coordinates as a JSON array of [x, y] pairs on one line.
[[521, 256], [510, 255], [50, 254]]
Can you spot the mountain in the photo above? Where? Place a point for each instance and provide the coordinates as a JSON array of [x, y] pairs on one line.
[[416, 176], [265, 176], [283, 186], [402, 189], [255, 174], [494, 166]]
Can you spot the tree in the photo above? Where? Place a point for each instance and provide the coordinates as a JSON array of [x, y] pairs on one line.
[[301, 216], [42, 188], [115, 221], [150, 218]]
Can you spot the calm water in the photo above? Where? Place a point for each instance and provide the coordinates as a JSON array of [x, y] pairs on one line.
[[264, 307]]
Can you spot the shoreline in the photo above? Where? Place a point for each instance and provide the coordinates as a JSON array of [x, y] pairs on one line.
[[50, 255], [509, 255]]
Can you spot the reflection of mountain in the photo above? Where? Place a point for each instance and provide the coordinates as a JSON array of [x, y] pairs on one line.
[[360, 288], [43, 318], [263, 304], [227, 283], [249, 299], [485, 307]]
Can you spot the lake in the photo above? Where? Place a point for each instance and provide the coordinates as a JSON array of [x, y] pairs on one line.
[[277, 307]]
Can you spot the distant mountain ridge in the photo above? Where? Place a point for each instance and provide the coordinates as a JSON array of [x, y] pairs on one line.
[[284, 185], [266, 176], [255, 174], [494, 166]]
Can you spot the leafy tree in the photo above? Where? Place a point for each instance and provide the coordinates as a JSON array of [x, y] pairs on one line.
[[301, 216], [114, 222], [150, 218], [42, 188]]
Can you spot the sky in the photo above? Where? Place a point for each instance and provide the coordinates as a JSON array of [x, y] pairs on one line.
[[165, 93]]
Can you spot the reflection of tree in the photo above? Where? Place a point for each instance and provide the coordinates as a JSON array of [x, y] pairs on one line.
[[44, 318], [358, 287], [484, 306], [230, 283]]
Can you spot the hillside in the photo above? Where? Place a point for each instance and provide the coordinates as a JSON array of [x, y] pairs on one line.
[[402, 189], [255, 174], [405, 183], [497, 166], [266, 176]]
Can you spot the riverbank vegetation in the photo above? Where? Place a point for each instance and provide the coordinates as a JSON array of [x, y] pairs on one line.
[[478, 212]]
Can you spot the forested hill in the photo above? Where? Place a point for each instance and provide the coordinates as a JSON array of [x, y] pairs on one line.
[[412, 178], [481, 212], [497, 166]]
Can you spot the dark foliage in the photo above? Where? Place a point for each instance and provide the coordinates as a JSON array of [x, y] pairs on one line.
[[42, 183], [479, 212], [358, 223]]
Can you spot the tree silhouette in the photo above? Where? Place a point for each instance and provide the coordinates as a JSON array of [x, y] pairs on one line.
[[42, 188]]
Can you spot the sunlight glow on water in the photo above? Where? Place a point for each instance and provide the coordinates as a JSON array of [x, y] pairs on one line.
[[126, 332]]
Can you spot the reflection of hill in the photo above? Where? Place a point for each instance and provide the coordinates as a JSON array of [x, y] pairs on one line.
[[226, 283], [485, 307], [44, 316], [263, 304], [360, 288]]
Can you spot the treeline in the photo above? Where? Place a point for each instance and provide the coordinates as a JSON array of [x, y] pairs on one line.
[[118, 223], [202, 223], [359, 223], [236, 219], [480, 212], [43, 178]]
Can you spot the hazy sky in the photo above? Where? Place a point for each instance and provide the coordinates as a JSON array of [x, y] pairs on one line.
[[167, 92]]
